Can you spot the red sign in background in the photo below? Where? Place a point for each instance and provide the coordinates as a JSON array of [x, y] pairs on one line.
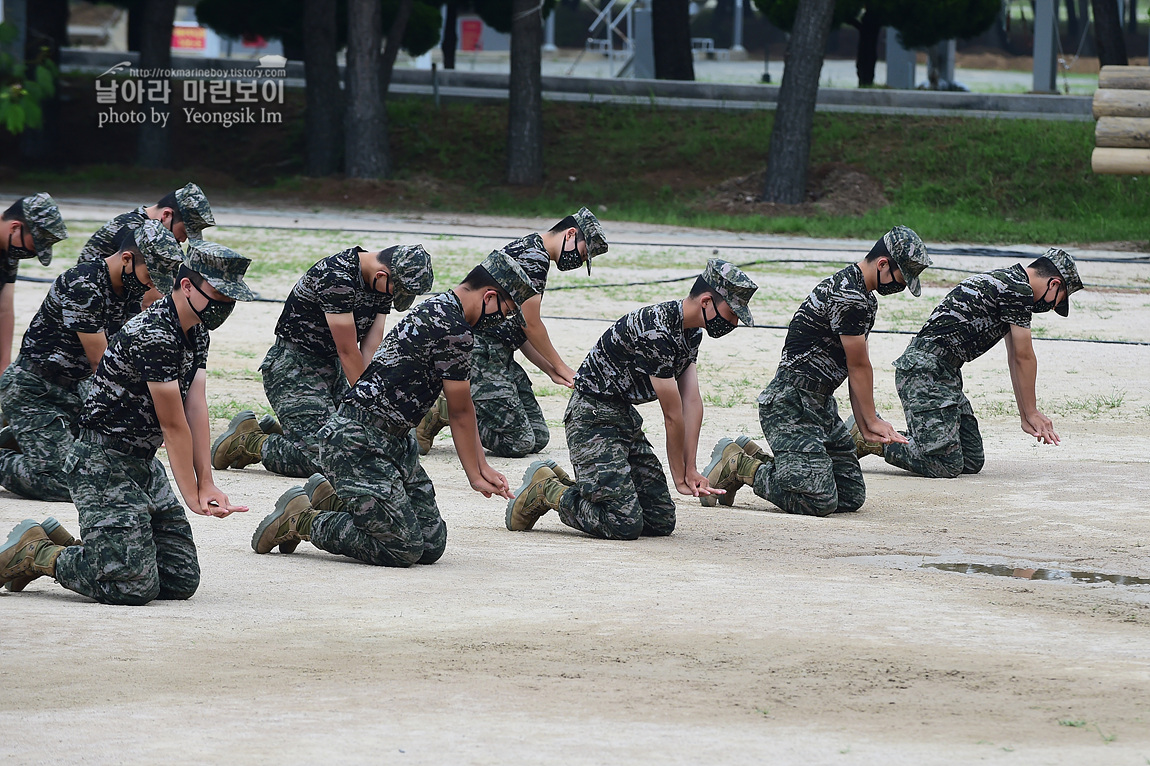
[[471, 35]]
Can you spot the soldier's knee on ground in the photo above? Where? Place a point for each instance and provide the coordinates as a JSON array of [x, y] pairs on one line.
[[186, 590], [654, 529], [851, 504], [135, 592], [948, 466], [973, 463], [434, 548], [619, 526]]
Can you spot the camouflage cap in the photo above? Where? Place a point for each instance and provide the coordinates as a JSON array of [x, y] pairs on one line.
[[44, 224], [1069, 271], [509, 275], [195, 211], [734, 286], [221, 267], [411, 269], [162, 253], [592, 233], [909, 254]]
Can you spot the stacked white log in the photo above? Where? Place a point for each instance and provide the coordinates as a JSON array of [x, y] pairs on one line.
[[1122, 108]]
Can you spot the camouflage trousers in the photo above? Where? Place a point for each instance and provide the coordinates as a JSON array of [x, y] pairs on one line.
[[815, 471], [304, 391], [510, 421], [620, 489], [940, 423], [137, 540], [388, 515], [43, 417]]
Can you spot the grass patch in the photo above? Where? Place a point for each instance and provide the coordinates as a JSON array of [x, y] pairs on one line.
[[950, 178]]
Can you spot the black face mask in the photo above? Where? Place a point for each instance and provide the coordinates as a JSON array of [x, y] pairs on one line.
[[215, 313], [1041, 305], [569, 259], [491, 321], [133, 287], [891, 287], [717, 326], [386, 284], [18, 252]]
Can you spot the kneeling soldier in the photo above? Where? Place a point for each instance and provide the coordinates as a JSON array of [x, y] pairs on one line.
[[40, 391], [510, 420], [148, 390], [970, 320], [28, 229], [331, 324], [620, 490], [376, 503], [814, 470]]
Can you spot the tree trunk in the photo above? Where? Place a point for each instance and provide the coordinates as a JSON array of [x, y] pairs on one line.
[[365, 122], [790, 148], [322, 92], [1132, 27], [152, 148], [671, 30], [450, 38], [1108, 33], [390, 51], [1088, 47], [869, 28], [1072, 29], [47, 28], [525, 105]]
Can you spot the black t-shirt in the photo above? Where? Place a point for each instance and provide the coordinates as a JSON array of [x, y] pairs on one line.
[[151, 348], [334, 285], [81, 300], [976, 314], [428, 346]]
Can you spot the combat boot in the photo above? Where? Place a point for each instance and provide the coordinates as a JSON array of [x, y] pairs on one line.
[[269, 425], [8, 439], [538, 494], [28, 553], [432, 423], [58, 535], [321, 494], [862, 446], [242, 444], [560, 474], [723, 451], [739, 469], [290, 522], [753, 449]]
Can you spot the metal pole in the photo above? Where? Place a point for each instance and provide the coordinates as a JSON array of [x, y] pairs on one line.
[[737, 47], [1045, 47], [549, 33], [435, 83]]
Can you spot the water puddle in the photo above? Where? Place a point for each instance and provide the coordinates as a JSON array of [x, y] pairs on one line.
[[1021, 573]]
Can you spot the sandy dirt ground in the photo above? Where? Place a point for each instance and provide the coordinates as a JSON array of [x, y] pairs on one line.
[[748, 636]]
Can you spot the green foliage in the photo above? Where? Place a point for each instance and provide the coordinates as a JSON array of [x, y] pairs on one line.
[[497, 13], [920, 23], [24, 86], [283, 20], [781, 13]]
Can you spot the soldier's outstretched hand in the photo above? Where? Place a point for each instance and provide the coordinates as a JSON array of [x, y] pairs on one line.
[[213, 502], [881, 432], [1040, 427], [491, 482], [696, 485]]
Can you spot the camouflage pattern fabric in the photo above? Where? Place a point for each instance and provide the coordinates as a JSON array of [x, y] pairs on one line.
[[620, 489], [389, 516], [732, 285], [1063, 261], [976, 314], [152, 347], [592, 232], [909, 254], [221, 267], [44, 224], [428, 346], [511, 423], [839, 305], [815, 471], [304, 391], [81, 300], [162, 254], [334, 285], [195, 211], [9, 267], [43, 417], [137, 541], [99, 246], [532, 257], [411, 275], [943, 432], [650, 341]]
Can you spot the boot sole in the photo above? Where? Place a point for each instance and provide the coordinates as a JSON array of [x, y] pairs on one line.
[[273, 519], [15, 538], [232, 426], [531, 469]]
